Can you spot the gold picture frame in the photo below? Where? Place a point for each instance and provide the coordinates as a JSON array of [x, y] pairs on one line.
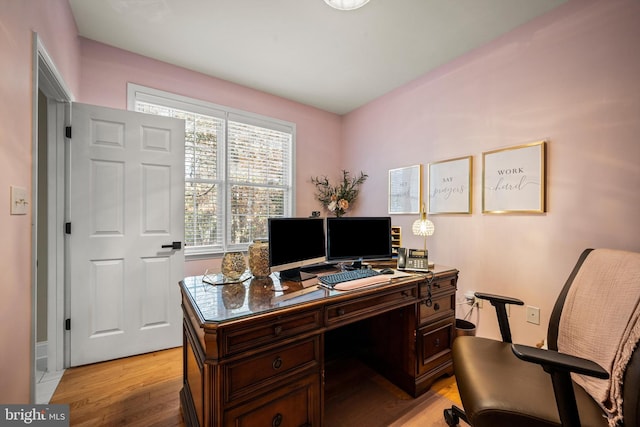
[[514, 179], [405, 190], [450, 186]]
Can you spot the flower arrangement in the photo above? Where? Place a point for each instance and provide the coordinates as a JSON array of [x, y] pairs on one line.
[[338, 198]]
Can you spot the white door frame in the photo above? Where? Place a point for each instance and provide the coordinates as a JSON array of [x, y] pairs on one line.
[[47, 79]]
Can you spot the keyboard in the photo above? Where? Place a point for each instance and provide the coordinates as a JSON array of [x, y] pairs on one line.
[[353, 279]]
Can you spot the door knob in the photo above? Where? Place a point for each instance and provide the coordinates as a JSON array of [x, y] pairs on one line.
[[174, 245]]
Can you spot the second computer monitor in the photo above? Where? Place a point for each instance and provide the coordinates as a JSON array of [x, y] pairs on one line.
[[356, 239]]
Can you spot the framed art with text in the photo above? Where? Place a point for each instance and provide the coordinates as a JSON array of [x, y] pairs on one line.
[[513, 179], [450, 186], [405, 190]]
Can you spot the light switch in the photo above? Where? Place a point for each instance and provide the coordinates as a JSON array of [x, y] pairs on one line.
[[19, 202]]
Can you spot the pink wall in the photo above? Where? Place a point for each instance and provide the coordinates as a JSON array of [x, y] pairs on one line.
[[570, 77], [53, 22], [107, 70]]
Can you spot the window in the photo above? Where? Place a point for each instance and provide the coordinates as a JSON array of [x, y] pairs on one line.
[[238, 169]]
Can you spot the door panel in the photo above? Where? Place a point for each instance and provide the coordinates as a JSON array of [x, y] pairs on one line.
[[106, 304], [126, 200], [106, 199]]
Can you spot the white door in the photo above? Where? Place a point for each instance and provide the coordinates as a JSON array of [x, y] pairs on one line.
[[126, 202]]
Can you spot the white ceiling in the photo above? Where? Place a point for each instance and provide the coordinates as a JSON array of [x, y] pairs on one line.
[[302, 49]]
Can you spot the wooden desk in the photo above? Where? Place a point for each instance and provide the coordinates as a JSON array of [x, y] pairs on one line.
[[250, 359]]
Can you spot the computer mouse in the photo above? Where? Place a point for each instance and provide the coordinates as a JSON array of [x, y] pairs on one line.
[[387, 271]]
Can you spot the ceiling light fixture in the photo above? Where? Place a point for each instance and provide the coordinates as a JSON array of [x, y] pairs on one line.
[[346, 4]]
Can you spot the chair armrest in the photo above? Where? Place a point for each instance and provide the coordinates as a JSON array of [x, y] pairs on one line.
[[560, 361], [560, 366], [500, 302], [498, 299]]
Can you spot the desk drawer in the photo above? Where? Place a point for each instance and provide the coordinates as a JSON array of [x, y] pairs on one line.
[[262, 332], [441, 306], [352, 310], [434, 345], [438, 286], [293, 404], [266, 369]]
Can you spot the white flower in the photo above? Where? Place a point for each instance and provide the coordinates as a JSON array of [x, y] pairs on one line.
[[332, 206]]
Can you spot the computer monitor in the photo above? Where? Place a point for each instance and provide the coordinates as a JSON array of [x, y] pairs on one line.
[[358, 238], [295, 243]]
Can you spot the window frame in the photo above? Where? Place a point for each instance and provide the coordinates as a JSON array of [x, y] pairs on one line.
[[136, 92]]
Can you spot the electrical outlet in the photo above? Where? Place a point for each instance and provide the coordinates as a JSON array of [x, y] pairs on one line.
[[470, 297], [533, 315]]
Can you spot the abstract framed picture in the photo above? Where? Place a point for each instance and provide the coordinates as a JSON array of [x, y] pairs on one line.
[[514, 179], [450, 186], [405, 190]]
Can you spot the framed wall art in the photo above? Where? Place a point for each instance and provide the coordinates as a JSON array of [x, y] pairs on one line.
[[513, 179], [405, 190], [450, 186]]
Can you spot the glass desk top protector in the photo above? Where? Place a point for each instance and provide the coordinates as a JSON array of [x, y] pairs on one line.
[[220, 303]]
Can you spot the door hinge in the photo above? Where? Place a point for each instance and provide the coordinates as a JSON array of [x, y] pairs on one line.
[[67, 325], [67, 228], [67, 132]]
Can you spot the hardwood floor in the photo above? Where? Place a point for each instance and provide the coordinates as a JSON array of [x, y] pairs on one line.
[[447, 387], [134, 391], [143, 391]]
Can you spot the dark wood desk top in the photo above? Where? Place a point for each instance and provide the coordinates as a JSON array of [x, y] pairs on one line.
[[220, 304]]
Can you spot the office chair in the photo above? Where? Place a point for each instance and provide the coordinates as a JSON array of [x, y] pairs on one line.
[[590, 376]]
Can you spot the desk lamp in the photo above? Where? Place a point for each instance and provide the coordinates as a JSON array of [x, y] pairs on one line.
[[423, 227]]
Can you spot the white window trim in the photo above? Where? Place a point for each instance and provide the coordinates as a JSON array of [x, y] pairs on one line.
[[146, 94]]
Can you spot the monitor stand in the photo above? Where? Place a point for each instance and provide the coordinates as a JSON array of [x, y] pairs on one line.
[[296, 275], [355, 265]]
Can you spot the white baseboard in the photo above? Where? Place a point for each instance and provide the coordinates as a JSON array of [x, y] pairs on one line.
[[46, 382], [41, 356], [41, 350]]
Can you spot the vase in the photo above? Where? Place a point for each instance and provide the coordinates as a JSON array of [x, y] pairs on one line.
[[259, 258], [233, 265]]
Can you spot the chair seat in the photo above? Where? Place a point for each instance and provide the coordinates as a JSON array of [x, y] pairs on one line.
[[523, 396]]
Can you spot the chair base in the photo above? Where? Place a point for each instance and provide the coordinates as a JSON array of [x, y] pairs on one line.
[[453, 416]]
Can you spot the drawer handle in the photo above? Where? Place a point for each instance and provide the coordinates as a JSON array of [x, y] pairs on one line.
[[277, 420], [436, 285], [436, 306], [406, 293], [277, 330], [437, 342], [277, 363], [341, 312]]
